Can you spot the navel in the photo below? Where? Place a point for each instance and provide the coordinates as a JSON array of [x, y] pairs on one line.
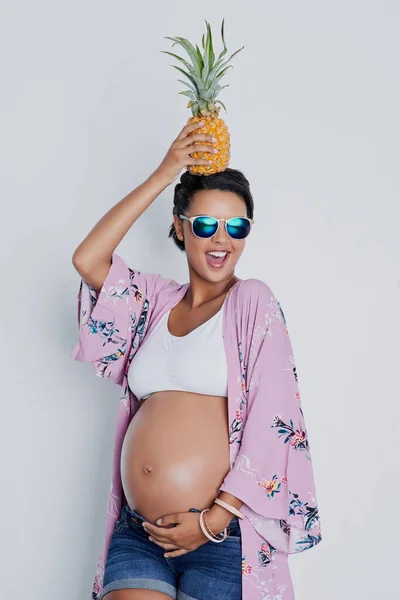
[[147, 469]]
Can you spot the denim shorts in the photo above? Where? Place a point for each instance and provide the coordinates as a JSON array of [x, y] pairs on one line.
[[210, 571]]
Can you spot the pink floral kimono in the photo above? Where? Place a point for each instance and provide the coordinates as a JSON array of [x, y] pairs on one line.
[[271, 468]]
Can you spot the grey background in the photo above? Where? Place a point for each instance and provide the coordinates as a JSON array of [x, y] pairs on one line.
[[89, 106]]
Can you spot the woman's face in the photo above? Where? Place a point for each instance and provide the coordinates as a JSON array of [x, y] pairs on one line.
[[221, 205]]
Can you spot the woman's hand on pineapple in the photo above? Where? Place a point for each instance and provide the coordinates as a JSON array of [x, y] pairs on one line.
[[179, 153]]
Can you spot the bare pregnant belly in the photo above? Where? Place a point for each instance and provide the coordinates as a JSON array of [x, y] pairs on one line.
[[175, 454]]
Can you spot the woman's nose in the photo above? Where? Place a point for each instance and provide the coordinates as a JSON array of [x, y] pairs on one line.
[[221, 235]]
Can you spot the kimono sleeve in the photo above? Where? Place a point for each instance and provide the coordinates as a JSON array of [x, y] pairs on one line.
[[112, 322], [272, 472]]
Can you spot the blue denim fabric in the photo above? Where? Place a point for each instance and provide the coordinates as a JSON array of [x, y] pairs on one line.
[[210, 571]]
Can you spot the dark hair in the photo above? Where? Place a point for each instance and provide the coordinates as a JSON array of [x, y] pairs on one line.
[[230, 180]]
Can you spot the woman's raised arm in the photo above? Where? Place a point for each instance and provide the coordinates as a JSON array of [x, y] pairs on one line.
[[92, 258]]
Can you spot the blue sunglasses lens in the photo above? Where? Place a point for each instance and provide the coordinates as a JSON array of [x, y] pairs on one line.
[[238, 228], [205, 227]]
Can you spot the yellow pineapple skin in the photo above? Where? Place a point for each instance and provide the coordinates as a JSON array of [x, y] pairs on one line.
[[213, 125]]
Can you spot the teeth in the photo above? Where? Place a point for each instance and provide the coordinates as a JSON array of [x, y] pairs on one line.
[[218, 254]]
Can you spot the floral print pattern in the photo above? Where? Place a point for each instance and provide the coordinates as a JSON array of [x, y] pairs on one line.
[[271, 466]]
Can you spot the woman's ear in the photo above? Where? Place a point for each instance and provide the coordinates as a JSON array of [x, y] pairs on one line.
[[178, 227]]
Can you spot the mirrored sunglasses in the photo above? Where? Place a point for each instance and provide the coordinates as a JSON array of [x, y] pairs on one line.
[[204, 226]]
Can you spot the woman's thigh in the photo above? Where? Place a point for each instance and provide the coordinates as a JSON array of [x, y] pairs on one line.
[[135, 563], [136, 595]]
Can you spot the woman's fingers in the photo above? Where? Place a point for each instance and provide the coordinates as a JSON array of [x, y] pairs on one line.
[[178, 155], [187, 143], [200, 148], [198, 137], [164, 545], [188, 129], [193, 144], [176, 553], [160, 534], [171, 551]]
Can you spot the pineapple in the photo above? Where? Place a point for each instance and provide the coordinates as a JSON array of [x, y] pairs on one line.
[[203, 75]]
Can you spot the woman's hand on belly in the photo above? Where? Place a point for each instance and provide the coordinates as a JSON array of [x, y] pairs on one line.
[[185, 537]]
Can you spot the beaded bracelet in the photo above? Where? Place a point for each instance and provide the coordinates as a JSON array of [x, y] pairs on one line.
[[212, 537], [216, 535]]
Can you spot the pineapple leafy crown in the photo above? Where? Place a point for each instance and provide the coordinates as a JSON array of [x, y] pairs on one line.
[[203, 73]]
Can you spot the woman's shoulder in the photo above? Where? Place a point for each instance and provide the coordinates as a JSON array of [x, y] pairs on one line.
[[254, 288], [256, 299]]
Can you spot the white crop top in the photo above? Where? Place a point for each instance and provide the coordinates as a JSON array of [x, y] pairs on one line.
[[195, 362]]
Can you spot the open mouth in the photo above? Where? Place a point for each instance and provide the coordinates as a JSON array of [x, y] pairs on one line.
[[217, 260]]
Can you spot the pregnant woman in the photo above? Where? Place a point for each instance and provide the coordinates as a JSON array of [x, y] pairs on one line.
[[211, 451]]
